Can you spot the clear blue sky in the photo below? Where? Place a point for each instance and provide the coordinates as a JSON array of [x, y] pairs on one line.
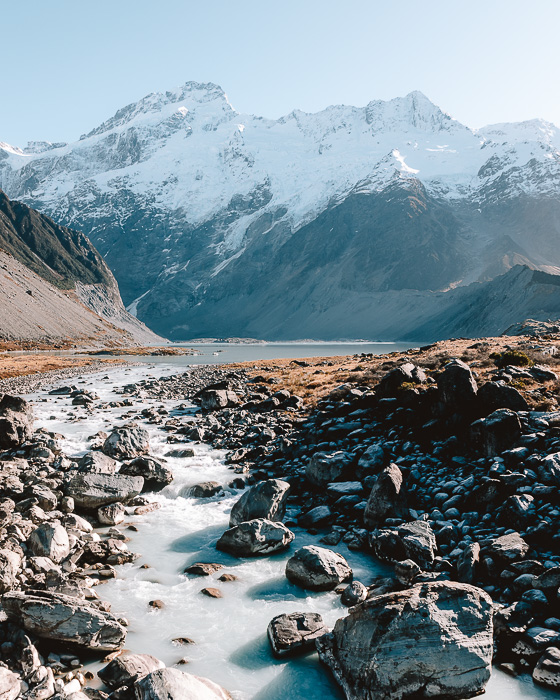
[[69, 64]]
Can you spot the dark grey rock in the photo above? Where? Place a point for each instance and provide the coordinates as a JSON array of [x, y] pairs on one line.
[[317, 569], [294, 634], [432, 640]]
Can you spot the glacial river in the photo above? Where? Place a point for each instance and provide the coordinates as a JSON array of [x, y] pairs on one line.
[[229, 633]]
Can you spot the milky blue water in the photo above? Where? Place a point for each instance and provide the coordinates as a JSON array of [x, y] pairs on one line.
[[229, 633]]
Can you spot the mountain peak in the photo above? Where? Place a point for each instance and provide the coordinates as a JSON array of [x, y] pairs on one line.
[[191, 93]]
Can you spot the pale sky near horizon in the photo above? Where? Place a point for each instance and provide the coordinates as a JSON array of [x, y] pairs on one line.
[[68, 64]]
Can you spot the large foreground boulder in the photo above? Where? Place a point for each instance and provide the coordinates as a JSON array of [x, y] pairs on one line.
[[432, 640], [172, 684], [266, 499], [257, 537], [127, 442], [16, 422], [318, 569], [91, 491], [63, 618], [156, 476]]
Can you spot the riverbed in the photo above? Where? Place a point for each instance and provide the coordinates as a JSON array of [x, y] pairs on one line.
[[229, 633]]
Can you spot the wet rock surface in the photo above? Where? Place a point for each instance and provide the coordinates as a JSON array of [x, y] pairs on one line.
[[432, 640]]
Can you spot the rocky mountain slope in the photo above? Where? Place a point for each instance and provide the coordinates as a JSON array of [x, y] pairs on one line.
[[220, 223], [55, 286]]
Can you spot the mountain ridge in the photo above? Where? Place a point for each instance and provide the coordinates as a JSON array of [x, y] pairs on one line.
[[193, 204]]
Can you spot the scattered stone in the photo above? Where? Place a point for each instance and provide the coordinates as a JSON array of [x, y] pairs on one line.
[[317, 569], [113, 514], [353, 594], [547, 670], [156, 476], [127, 442], [203, 569], [212, 592], [323, 468], [16, 422], [126, 669], [266, 499], [257, 537], [386, 498], [293, 634], [91, 491], [63, 618], [50, 541]]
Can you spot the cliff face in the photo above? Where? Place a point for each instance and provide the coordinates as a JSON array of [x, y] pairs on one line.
[[55, 287]]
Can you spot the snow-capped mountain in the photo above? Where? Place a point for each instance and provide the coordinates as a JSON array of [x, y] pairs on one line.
[[220, 223]]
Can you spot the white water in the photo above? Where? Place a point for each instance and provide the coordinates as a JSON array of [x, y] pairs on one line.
[[230, 633]]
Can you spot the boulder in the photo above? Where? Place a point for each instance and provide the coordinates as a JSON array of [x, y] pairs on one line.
[[518, 511], [317, 569], [216, 399], [547, 670], [385, 499], [258, 537], [295, 633], [63, 618], [127, 442], [91, 491], [10, 684], [467, 563], [353, 594], [432, 640], [10, 563], [549, 469], [128, 668], [494, 395], [324, 467], [508, 548], [49, 540], [371, 461], [113, 514], [16, 422], [266, 499], [496, 433], [317, 517], [542, 374], [97, 463], [408, 373], [457, 386], [172, 684], [206, 489], [156, 476], [414, 540]]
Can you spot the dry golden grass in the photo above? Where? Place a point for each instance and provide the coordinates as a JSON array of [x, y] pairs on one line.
[[323, 374], [21, 365]]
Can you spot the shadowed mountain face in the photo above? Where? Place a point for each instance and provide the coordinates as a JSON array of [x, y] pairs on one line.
[[56, 288], [352, 222], [57, 254]]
